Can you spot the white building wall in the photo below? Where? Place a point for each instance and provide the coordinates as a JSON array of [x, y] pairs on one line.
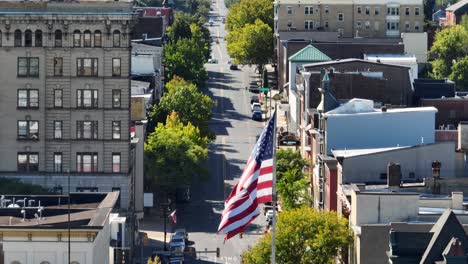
[[416, 43], [101, 245]]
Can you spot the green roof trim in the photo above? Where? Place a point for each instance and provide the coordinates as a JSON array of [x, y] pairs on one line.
[[309, 54]]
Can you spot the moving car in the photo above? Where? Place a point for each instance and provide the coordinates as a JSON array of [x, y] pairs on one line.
[[257, 115], [180, 233], [234, 67], [255, 106]]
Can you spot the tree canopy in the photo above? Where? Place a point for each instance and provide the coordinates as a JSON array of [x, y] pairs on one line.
[[190, 105], [175, 153], [247, 12], [292, 184], [450, 47], [303, 236], [251, 44]]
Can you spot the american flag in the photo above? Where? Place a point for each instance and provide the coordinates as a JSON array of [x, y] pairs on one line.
[[254, 186]]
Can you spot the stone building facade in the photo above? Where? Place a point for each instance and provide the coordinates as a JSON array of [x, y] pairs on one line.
[[350, 18], [65, 94]]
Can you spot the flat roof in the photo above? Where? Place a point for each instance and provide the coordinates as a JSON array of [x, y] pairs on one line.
[[345, 153]]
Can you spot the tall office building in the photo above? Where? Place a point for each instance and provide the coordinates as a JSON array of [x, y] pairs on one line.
[[65, 94]]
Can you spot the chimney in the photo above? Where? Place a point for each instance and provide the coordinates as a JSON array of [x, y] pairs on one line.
[[393, 175], [436, 169]]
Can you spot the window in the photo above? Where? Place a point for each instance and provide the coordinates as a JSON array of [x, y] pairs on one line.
[[116, 38], [28, 67], [309, 10], [28, 161], [308, 25], [87, 67], [87, 129], [416, 26], [58, 129], [58, 38], [87, 98], [340, 17], [58, 66], [358, 24], [359, 10], [326, 10], [317, 24], [28, 98], [28, 38], [87, 39], [28, 129], [97, 38], [58, 98], [326, 24], [115, 162], [416, 11], [367, 10], [38, 38], [407, 11], [18, 38], [367, 24], [115, 129], [394, 11], [289, 23], [86, 162], [116, 67], [76, 38], [393, 25], [377, 11], [407, 26], [116, 98], [58, 162], [290, 10]]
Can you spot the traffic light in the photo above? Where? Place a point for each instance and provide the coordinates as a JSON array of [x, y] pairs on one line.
[[218, 253]]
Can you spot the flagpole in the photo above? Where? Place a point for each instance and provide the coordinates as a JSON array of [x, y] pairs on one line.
[[273, 194]]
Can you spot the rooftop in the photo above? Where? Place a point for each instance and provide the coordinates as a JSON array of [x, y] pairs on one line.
[[457, 5], [346, 153], [309, 54], [348, 61], [142, 65], [87, 210]]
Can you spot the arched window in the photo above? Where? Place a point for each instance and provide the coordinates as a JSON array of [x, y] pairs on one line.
[[18, 38], [76, 38], [28, 38], [97, 38], [87, 39], [38, 38], [58, 38], [116, 38]]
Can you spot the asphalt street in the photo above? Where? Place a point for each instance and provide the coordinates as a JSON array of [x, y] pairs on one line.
[[236, 134]]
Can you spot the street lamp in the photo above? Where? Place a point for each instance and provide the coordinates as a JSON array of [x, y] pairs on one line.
[[166, 208]]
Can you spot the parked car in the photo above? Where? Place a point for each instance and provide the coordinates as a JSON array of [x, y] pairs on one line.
[[234, 67], [254, 89], [254, 99], [212, 60], [177, 246], [255, 106], [257, 115], [180, 233]]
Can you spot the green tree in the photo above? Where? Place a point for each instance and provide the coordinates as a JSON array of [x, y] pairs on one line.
[[429, 9], [191, 106], [228, 3], [464, 21], [175, 154], [180, 28], [15, 186], [186, 59], [247, 12], [460, 73], [449, 45], [445, 3], [291, 181], [303, 236], [252, 44]]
